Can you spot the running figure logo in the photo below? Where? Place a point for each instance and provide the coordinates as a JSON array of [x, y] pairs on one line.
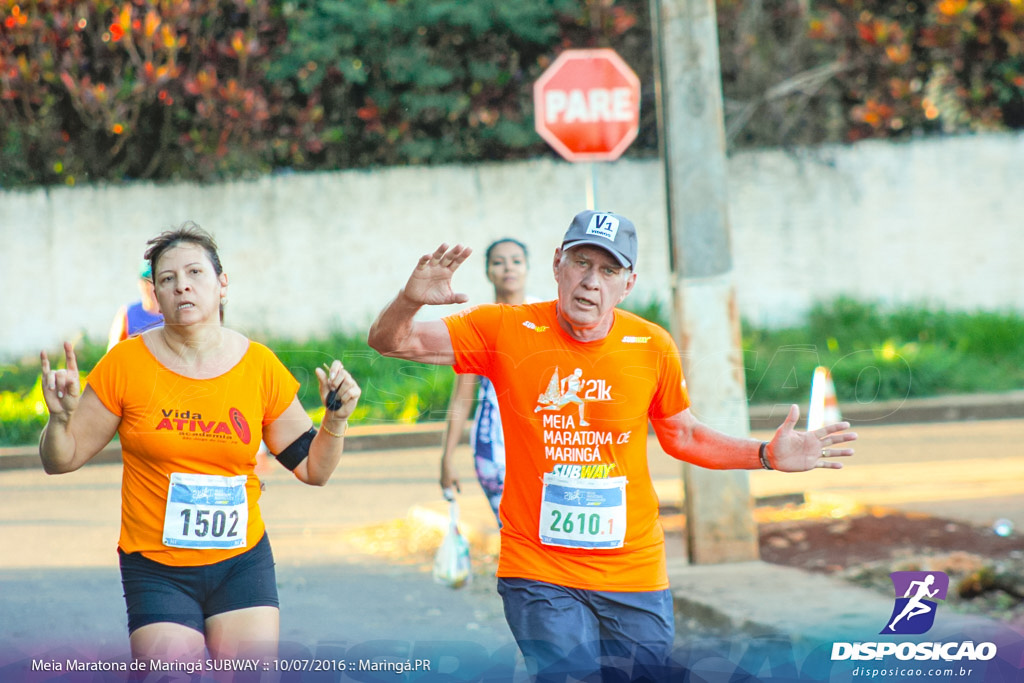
[[913, 612], [560, 393]]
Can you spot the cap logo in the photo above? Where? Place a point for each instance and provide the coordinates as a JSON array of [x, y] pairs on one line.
[[603, 225]]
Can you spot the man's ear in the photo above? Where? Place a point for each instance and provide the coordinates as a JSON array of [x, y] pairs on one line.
[[630, 282], [555, 262]]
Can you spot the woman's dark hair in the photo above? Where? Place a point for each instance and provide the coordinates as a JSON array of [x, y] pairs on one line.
[[189, 232], [503, 240]]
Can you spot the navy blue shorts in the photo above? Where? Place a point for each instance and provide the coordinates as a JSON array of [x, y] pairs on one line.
[[585, 634], [156, 592]]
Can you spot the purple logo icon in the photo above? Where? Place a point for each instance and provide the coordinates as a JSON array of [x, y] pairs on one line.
[[916, 596]]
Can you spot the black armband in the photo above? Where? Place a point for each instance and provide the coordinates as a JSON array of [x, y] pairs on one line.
[[297, 450]]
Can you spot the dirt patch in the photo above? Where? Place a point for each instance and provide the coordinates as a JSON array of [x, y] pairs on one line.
[[865, 545], [838, 545]]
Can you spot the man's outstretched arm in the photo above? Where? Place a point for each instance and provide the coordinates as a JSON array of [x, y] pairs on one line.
[[685, 438]]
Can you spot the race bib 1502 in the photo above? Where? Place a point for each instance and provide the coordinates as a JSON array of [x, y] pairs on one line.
[[206, 511]]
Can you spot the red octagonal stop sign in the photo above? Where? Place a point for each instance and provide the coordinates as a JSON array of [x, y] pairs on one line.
[[587, 105]]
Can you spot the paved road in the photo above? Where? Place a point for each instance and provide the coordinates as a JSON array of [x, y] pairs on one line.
[[967, 471], [348, 572], [351, 574]]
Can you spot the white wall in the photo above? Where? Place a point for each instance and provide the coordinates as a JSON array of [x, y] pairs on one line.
[[936, 222], [933, 221]]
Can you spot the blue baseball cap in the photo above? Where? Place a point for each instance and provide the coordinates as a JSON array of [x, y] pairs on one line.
[[614, 233]]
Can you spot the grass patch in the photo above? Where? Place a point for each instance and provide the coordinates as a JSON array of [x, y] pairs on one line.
[[392, 390], [875, 354]]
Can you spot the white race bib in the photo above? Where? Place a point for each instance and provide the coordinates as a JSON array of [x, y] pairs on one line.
[[206, 511], [583, 513]]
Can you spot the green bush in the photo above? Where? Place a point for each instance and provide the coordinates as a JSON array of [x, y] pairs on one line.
[[652, 309], [393, 390], [421, 81], [22, 409], [98, 91], [879, 354], [22, 416]]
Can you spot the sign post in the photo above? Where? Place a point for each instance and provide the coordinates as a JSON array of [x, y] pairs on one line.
[[587, 107], [719, 510]]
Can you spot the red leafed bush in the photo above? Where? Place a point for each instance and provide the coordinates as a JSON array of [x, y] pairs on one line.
[[797, 72], [113, 90], [103, 90]]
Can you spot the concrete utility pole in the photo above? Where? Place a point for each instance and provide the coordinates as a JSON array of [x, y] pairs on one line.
[[719, 510]]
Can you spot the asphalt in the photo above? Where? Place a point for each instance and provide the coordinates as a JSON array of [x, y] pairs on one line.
[[745, 620]]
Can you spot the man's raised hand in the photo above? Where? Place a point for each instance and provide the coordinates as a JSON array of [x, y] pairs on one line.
[[431, 282]]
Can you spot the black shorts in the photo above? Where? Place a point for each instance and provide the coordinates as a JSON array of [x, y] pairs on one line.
[[156, 592]]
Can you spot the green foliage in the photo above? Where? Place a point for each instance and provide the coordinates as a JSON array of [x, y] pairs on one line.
[[22, 409], [114, 90], [392, 390], [16, 377], [19, 376], [651, 308], [875, 354], [22, 415], [419, 81]]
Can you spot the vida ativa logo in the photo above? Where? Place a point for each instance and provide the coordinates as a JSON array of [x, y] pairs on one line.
[[917, 594]]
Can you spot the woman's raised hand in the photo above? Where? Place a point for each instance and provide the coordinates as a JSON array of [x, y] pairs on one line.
[[61, 388]]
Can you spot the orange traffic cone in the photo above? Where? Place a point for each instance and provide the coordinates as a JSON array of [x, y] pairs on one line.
[[824, 406]]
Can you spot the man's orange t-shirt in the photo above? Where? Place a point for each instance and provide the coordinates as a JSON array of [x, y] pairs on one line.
[[174, 424], [575, 417]]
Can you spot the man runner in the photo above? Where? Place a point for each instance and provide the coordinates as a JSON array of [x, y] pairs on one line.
[[582, 569]]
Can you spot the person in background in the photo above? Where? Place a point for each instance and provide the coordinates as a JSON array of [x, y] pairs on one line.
[[507, 264], [136, 318], [191, 401]]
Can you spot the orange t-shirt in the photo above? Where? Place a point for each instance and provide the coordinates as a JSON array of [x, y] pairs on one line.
[[575, 416], [174, 424]]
